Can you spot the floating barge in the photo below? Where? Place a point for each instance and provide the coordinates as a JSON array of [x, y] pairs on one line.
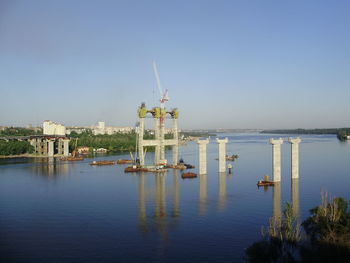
[[124, 161], [102, 163], [188, 175], [72, 158]]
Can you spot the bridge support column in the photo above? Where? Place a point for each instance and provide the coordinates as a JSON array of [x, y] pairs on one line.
[[60, 147], [175, 148], [66, 147], [156, 137], [222, 154], [50, 150], [276, 159], [140, 141], [295, 156], [203, 156]]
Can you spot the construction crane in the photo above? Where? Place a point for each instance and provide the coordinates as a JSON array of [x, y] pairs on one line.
[[163, 93]]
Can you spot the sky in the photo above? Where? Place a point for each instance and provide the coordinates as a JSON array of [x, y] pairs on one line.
[[226, 64]]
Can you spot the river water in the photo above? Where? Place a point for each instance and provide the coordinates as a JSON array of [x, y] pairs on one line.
[[55, 211]]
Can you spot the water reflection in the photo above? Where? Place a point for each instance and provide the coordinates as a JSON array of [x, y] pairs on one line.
[[50, 166], [276, 203], [176, 193], [222, 191], [202, 194], [157, 217], [295, 196]]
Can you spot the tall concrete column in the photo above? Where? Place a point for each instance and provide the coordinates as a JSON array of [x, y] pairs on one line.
[[140, 140], [156, 137], [50, 151], [176, 146], [222, 154], [59, 146], [276, 159], [161, 141], [203, 156], [66, 147], [295, 156], [45, 146], [34, 144]]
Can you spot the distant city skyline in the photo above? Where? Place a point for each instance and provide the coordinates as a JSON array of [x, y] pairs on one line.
[[226, 64]]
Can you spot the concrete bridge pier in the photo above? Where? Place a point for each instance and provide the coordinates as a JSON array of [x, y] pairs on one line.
[[295, 156], [140, 141], [65, 147], [175, 148], [222, 154], [203, 156], [276, 159], [50, 151]]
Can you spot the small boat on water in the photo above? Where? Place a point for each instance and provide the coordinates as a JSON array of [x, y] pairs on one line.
[[124, 161], [188, 175], [103, 163], [265, 182]]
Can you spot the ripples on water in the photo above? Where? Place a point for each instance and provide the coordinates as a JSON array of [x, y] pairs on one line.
[[53, 211]]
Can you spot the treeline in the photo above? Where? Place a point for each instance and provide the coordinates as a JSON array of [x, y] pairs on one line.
[[19, 131], [15, 147], [326, 235], [118, 142]]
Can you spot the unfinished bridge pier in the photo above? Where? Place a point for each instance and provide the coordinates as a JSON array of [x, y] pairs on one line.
[[294, 156], [222, 154], [203, 156], [276, 159]]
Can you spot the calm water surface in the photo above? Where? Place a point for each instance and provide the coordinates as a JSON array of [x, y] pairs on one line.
[[55, 211]]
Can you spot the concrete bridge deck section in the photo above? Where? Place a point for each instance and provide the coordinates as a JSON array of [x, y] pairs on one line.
[[46, 145]]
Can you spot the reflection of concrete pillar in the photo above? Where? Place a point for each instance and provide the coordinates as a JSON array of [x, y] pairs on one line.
[[156, 137], [176, 146], [66, 147], [160, 196], [202, 193], [276, 207], [142, 206], [222, 154], [276, 159], [295, 156], [140, 140], [203, 156], [50, 150], [222, 190], [176, 193], [295, 196]]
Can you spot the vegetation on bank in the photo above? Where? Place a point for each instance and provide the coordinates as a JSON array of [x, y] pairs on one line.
[[15, 147], [19, 131], [118, 142], [326, 236]]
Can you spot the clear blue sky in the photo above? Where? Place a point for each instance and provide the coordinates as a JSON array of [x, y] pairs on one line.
[[226, 64]]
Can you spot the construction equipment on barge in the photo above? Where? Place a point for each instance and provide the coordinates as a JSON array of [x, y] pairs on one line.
[[74, 156], [124, 161], [265, 182]]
